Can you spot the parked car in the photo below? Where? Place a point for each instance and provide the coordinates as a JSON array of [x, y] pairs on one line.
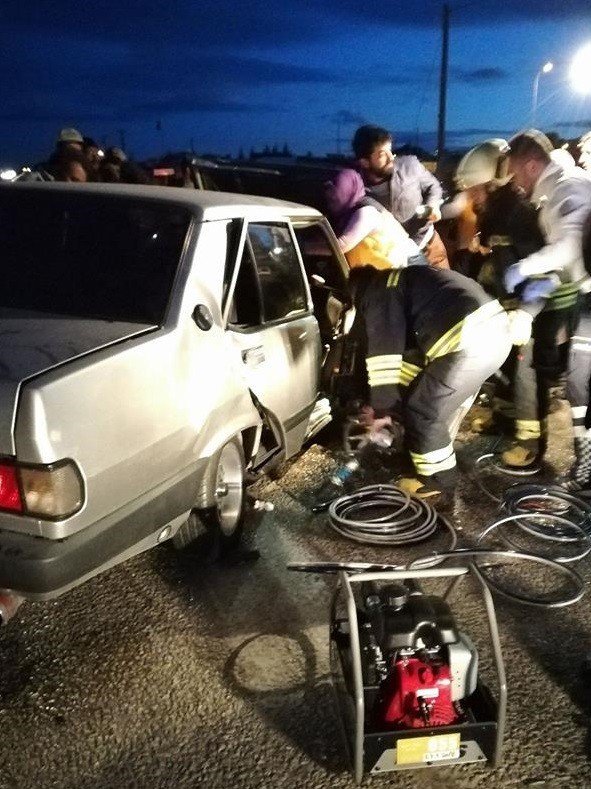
[[155, 344], [301, 181]]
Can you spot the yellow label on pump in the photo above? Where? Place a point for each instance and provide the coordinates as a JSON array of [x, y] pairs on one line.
[[428, 749]]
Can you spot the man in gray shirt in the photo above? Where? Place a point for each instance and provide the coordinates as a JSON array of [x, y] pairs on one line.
[[404, 186]]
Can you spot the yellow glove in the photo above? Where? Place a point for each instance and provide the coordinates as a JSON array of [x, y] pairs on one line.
[[520, 323]]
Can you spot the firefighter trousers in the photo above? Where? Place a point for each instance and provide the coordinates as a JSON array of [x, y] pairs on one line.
[[578, 390], [523, 400], [440, 389]]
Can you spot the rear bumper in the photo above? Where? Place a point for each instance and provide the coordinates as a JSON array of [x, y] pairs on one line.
[[38, 568]]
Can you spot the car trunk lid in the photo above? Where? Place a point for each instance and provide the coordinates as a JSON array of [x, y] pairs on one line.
[[31, 344]]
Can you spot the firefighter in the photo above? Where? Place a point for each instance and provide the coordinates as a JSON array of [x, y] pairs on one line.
[[508, 231], [556, 272], [433, 337]]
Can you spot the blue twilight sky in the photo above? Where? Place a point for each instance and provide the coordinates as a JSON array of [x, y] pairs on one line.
[[227, 75]]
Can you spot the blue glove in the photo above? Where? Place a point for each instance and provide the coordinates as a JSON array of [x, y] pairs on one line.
[[537, 289], [513, 277]]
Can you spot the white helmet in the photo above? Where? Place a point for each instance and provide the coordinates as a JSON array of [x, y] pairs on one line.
[[482, 164]]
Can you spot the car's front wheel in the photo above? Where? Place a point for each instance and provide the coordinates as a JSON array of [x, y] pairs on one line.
[[214, 530]]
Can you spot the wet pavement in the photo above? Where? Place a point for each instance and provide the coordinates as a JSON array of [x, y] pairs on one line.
[[163, 673]]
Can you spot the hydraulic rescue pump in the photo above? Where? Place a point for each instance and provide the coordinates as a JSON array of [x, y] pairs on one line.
[[412, 650], [406, 676]]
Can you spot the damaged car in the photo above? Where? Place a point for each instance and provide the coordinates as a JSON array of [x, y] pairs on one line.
[[156, 345]]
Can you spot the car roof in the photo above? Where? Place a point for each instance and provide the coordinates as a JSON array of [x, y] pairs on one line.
[[205, 205]]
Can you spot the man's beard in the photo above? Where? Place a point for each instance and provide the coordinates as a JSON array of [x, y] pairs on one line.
[[382, 173]]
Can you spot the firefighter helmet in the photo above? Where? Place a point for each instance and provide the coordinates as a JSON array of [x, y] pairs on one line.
[[482, 164]]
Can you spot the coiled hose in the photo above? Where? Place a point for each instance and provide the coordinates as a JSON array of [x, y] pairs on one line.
[[386, 515]]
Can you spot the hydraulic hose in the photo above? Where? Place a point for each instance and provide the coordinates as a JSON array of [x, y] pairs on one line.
[[386, 515], [491, 456], [474, 555]]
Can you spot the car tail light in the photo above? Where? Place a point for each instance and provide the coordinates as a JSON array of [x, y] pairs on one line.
[[51, 491], [10, 496]]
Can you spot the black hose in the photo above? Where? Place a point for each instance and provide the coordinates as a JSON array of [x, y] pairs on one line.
[[386, 515], [473, 554], [401, 519]]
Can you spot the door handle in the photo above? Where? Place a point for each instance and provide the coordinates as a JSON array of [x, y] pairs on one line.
[[254, 356]]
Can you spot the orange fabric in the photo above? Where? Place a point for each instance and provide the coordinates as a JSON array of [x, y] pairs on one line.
[[466, 227]]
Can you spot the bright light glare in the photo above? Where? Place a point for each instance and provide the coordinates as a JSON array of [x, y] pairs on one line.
[[547, 67], [580, 70], [8, 175]]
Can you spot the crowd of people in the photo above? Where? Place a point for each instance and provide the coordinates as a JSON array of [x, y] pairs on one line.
[[508, 292], [510, 297], [78, 159]]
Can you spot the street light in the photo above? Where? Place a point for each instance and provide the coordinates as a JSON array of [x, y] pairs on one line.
[[580, 70], [546, 69]]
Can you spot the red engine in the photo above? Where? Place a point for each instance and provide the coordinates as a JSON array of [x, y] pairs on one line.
[[418, 694]]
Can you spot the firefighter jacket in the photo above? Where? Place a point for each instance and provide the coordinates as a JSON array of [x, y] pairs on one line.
[[508, 226], [413, 316]]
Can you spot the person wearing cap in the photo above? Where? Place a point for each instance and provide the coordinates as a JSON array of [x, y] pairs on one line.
[[556, 272], [404, 186], [69, 142], [69, 139]]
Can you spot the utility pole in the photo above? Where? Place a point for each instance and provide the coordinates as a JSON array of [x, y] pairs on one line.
[[443, 80]]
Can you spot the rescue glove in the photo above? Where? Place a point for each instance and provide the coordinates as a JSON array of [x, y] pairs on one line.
[[520, 323], [513, 277], [539, 289]]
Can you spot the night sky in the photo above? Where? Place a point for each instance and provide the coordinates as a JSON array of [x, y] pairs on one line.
[[224, 75]]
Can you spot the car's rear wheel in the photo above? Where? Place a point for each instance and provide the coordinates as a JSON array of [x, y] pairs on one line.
[[210, 532]]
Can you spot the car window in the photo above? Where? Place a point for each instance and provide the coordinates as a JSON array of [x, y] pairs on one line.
[[319, 256], [245, 308], [282, 286], [89, 255]]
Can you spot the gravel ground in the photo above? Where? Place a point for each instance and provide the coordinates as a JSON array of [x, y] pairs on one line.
[[161, 673]]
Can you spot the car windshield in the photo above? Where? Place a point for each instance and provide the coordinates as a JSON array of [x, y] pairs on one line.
[[89, 255]]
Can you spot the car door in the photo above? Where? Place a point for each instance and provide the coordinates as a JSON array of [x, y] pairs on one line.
[[269, 316]]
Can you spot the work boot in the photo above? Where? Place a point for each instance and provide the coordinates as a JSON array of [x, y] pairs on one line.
[[579, 477], [485, 425], [415, 487], [438, 496], [522, 455]]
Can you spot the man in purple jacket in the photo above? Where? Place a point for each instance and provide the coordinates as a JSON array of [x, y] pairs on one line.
[[402, 185]]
